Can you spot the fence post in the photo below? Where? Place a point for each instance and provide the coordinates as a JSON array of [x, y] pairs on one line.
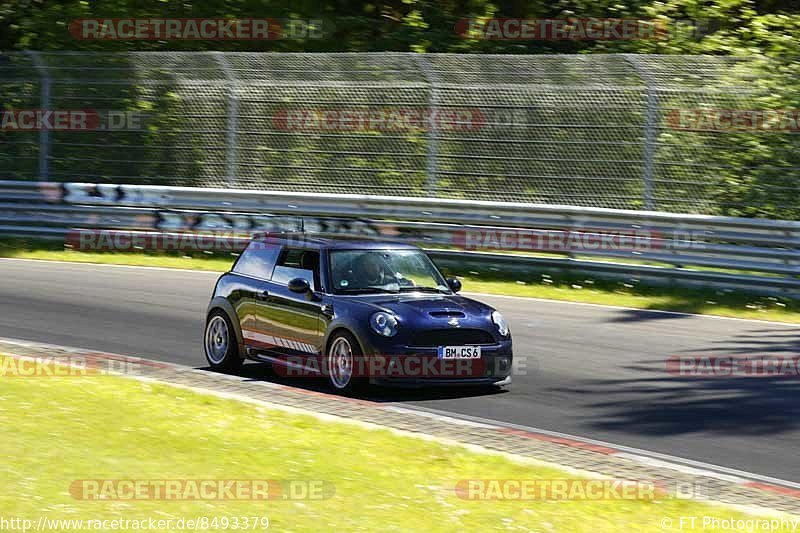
[[44, 103], [232, 119], [432, 180], [650, 130]]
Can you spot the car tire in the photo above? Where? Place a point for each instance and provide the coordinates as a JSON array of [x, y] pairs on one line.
[[342, 354], [220, 344]]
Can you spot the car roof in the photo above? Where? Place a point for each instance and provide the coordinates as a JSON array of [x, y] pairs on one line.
[[306, 240]]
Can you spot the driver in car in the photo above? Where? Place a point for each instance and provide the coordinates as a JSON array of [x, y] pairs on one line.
[[375, 271]]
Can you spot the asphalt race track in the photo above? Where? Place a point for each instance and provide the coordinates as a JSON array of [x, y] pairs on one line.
[[591, 371]]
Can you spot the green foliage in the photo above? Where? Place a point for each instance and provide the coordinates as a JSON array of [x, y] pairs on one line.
[[769, 27]]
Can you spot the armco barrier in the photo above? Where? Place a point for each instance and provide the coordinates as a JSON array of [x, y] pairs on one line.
[[757, 254]]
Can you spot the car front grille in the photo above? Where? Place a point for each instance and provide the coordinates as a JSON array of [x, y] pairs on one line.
[[451, 337]]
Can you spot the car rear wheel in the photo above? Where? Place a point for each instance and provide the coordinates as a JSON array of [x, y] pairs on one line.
[[221, 347], [342, 364]]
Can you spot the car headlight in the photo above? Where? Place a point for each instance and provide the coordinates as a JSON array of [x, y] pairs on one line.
[[500, 322], [383, 324]]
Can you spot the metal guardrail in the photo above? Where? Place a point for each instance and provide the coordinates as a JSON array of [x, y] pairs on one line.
[[756, 254]]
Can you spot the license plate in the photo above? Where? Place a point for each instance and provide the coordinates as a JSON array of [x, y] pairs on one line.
[[459, 352]]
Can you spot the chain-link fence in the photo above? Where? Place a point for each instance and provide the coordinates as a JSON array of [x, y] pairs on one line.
[[618, 131]]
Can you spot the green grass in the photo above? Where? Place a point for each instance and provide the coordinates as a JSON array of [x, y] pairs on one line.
[[58, 430], [520, 282]]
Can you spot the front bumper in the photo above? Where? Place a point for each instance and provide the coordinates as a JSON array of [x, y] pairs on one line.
[[416, 366]]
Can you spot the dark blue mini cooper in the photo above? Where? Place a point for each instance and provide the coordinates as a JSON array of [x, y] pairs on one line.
[[355, 313]]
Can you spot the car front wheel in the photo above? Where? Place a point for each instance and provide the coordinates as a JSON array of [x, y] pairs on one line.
[[219, 341], [343, 362]]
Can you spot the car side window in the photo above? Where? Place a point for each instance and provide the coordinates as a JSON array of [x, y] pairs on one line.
[[297, 263], [257, 260]]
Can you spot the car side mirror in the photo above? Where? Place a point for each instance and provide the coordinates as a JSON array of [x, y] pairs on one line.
[[454, 284], [299, 285]]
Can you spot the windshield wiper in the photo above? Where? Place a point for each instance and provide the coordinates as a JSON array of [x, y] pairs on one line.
[[421, 289], [365, 290]]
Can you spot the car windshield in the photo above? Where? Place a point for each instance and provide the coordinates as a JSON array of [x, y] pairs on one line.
[[367, 271]]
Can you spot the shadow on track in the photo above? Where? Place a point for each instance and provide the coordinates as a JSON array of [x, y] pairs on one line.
[[656, 401], [253, 371]]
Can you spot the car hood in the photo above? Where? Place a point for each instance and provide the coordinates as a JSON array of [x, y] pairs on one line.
[[410, 305]]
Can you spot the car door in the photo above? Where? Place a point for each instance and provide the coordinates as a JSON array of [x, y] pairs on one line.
[[252, 272], [291, 322]]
